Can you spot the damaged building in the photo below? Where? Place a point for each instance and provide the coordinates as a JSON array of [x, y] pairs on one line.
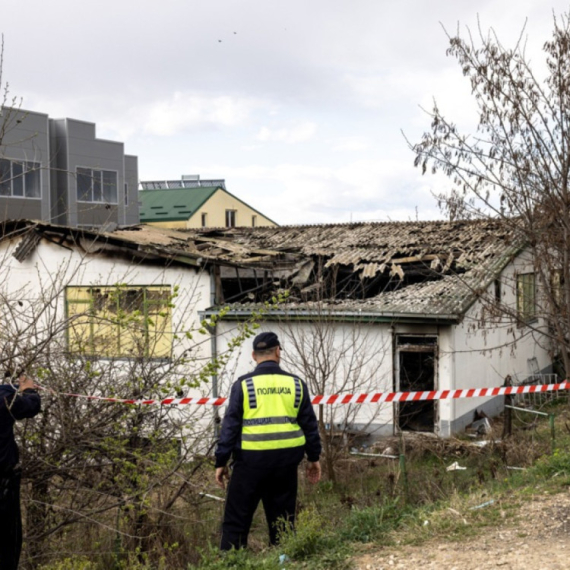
[[435, 305], [367, 307]]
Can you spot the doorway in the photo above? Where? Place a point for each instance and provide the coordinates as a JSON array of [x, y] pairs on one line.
[[416, 371]]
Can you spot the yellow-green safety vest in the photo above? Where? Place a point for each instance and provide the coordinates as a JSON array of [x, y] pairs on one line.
[[270, 409]]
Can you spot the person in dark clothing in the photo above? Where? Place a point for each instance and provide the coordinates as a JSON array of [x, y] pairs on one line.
[[17, 402], [268, 428]]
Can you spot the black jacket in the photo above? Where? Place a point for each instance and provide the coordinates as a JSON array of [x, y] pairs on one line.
[[230, 437], [14, 406]]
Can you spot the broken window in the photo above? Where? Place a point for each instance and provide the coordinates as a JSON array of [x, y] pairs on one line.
[[119, 321]]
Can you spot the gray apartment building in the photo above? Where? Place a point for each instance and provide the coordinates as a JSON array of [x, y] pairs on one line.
[[57, 170]]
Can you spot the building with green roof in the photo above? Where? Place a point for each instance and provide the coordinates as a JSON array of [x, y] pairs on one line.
[[194, 203]]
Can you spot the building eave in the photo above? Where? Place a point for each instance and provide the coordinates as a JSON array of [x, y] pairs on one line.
[[333, 316]]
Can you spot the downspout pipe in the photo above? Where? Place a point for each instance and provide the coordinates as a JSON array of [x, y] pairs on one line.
[[214, 351]]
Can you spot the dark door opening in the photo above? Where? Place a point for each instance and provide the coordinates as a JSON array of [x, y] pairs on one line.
[[416, 373]]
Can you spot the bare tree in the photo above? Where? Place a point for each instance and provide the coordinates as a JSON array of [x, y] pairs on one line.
[[91, 464], [338, 358], [516, 165]]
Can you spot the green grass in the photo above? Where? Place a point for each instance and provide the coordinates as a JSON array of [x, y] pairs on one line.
[[370, 507]]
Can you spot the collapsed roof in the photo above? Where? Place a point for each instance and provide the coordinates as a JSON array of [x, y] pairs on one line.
[[421, 270]]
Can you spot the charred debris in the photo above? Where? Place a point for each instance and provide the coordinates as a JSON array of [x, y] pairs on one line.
[[344, 264]]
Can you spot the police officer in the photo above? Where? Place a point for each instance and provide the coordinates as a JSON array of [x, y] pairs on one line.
[[16, 403], [269, 425]]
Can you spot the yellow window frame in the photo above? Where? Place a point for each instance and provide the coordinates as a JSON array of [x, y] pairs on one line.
[[120, 321]]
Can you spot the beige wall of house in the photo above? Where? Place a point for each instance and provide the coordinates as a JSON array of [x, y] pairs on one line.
[[215, 210]]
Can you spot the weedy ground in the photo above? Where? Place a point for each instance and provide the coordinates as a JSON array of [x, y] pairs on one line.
[[375, 503]]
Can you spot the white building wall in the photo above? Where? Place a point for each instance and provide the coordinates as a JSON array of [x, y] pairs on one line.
[[46, 272], [447, 360], [485, 349], [26, 287], [361, 356]]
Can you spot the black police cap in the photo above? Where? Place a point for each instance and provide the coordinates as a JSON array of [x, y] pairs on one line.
[[265, 340]]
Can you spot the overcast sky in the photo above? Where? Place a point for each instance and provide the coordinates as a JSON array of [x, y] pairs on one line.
[[300, 106]]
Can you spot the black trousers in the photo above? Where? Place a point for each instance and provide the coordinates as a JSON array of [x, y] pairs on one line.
[[10, 522], [277, 490]]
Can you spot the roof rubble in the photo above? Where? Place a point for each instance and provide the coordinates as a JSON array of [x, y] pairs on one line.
[[429, 268]]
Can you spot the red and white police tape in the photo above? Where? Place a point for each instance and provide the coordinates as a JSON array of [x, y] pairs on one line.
[[376, 398]]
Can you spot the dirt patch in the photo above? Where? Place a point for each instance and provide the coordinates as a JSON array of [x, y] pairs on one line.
[[539, 539]]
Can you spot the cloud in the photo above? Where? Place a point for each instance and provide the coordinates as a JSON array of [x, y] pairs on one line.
[[354, 191], [185, 111], [351, 144], [344, 85], [290, 135], [169, 115]]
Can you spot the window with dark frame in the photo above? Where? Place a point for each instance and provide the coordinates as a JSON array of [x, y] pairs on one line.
[[126, 194], [526, 297], [204, 220], [20, 179], [96, 185], [230, 218]]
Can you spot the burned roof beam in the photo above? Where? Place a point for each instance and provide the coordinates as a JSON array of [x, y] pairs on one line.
[[249, 294]]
